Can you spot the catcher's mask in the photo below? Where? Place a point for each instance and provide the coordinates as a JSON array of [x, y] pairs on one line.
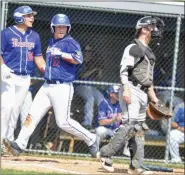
[[158, 111], [156, 23]]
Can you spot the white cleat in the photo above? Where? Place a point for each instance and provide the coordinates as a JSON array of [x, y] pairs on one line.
[[106, 166], [139, 171]]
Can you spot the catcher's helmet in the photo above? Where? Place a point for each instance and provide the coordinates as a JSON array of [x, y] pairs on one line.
[[19, 13], [155, 22], [113, 89], [60, 19]]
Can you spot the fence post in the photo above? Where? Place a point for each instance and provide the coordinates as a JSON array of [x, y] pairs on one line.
[[3, 7], [176, 50]]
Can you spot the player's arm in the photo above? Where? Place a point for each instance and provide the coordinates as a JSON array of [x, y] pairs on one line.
[[38, 58], [70, 57], [40, 62], [72, 54], [152, 95], [2, 62], [126, 63], [107, 121], [103, 118]]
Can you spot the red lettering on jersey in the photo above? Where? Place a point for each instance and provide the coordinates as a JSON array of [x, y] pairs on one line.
[[56, 61], [30, 56]]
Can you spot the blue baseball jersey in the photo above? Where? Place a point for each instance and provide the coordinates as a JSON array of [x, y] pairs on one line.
[[18, 50], [105, 109], [56, 67], [179, 117]]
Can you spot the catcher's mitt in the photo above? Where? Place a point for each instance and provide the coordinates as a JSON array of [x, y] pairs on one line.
[[158, 111]]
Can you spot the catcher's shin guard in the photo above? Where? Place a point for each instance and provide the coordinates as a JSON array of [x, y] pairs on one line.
[[122, 135], [137, 151]]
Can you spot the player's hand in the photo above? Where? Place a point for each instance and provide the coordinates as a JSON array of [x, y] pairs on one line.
[[56, 52], [127, 96], [155, 100], [118, 118], [6, 72]]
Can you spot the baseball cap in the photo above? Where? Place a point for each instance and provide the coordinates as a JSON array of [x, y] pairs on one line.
[[113, 89]]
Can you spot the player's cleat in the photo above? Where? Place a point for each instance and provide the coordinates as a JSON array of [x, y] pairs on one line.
[[12, 147], [106, 165], [176, 160], [94, 148], [4, 151], [139, 171]]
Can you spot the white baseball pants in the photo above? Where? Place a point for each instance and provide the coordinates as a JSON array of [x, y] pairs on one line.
[[176, 137], [58, 96], [13, 93]]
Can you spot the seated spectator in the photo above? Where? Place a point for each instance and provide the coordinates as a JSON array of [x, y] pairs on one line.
[[177, 135], [90, 70], [109, 115], [165, 97]]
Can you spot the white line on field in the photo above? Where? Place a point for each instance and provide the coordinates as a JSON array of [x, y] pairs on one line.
[[44, 166]]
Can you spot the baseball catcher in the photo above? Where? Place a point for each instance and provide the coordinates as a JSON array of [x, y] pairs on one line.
[[136, 75]]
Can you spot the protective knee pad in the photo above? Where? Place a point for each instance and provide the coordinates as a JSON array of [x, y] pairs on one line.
[[137, 151], [122, 135]]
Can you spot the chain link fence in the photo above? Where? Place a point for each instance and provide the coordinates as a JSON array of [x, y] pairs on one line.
[[103, 35]]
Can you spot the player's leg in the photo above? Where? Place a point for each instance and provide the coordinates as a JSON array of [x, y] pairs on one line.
[[123, 134], [20, 94], [176, 137], [61, 97], [97, 95], [26, 107], [7, 102], [98, 98], [41, 104], [102, 132], [137, 142]]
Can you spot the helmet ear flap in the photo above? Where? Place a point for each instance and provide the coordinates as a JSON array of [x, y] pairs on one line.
[[137, 33]]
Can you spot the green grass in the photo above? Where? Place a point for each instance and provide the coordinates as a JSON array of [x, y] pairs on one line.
[[17, 172]]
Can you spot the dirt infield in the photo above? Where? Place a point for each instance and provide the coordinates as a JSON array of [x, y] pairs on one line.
[[68, 166]]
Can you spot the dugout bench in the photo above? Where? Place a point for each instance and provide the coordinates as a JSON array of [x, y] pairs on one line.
[[149, 141]]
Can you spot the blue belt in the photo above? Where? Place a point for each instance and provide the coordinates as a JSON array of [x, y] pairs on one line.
[[54, 81], [19, 73]]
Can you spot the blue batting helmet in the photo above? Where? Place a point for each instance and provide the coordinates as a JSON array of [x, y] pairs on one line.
[[113, 89], [60, 19], [19, 13]]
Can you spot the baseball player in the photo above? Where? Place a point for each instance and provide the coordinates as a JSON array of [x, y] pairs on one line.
[[136, 74], [109, 114], [177, 134], [20, 51], [62, 56]]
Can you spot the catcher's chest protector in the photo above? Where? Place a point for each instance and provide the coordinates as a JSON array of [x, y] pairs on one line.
[[142, 71]]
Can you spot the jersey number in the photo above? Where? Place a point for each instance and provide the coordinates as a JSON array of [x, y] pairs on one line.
[[30, 56], [56, 61]]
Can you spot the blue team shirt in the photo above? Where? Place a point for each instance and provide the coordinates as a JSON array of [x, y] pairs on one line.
[[18, 50], [56, 67], [106, 108], [179, 117]]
